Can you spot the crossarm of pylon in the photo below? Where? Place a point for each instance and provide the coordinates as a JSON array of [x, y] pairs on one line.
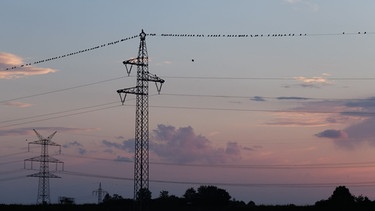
[[34, 142], [45, 175], [153, 77], [44, 159], [132, 90], [128, 69], [39, 136], [133, 61], [158, 81], [36, 159], [51, 136]]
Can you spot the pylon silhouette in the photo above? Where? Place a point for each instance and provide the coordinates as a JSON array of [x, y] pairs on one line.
[[44, 174], [141, 160]]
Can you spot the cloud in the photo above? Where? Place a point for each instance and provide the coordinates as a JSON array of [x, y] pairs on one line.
[[313, 82], [307, 121], [10, 60], [333, 134], [293, 98], [72, 144], [182, 145], [163, 63], [17, 104], [356, 132], [127, 145], [257, 99], [324, 113], [368, 103], [123, 159], [75, 145], [233, 148], [263, 99], [353, 120]]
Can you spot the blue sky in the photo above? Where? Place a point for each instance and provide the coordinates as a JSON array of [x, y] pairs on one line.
[[258, 116]]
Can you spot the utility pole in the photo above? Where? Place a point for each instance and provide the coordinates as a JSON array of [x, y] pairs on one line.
[[141, 160], [100, 192], [44, 159]]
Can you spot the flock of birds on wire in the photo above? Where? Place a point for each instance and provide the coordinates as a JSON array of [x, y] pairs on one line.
[[177, 35]]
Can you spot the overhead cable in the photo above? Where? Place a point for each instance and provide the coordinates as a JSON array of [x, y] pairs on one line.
[[72, 53], [191, 35]]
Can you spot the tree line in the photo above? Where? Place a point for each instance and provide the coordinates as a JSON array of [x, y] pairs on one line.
[[201, 199]]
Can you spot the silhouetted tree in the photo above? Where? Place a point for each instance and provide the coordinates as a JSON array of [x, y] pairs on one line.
[[212, 196], [108, 198], [66, 200], [164, 194], [341, 197], [251, 204], [144, 194], [167, 202], [342, 194], [363, 201], [190, 195]]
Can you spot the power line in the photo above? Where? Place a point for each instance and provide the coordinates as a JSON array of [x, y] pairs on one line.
[[280, 185], [277, 166], [262, 166], [265, 78], [264, 35], [59, 112], [11, 178], [181, 77], [251, 166], [12, 154], [11, 171], [72, 53], [63, 89], [60, 116], [247, 97], [110, 106], [264, 110], [191, 35], [9, 162]]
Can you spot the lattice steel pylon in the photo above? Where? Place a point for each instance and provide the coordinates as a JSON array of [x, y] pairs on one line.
[[44, 159], [100, 192], [141, 160]]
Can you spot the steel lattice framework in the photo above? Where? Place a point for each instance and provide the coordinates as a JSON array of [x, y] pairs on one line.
[[100, 192], [44, 174], [141, 160]]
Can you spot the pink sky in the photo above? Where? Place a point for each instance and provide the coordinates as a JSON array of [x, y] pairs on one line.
[[260, 116]]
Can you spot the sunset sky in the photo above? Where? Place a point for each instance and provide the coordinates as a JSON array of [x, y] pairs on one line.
[[281, 115]]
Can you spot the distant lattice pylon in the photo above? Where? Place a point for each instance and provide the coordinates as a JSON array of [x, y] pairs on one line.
[[44, 174], [100, 192]]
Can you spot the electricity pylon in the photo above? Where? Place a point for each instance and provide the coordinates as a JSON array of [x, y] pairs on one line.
[[44, 159], [99, 192], [141, 160]]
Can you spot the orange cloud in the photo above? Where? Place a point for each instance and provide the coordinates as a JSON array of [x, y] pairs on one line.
[[316, 80], [17, 104], [10, 60]]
